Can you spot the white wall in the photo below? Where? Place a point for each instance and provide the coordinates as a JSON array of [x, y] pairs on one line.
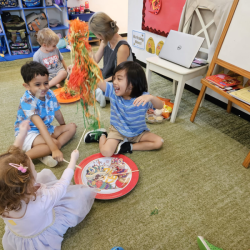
[[116, 9], [135, 22]]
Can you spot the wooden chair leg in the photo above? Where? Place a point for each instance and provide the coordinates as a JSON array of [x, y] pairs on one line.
[[246, 161], [197, 104], [229, 106], [202, 100]]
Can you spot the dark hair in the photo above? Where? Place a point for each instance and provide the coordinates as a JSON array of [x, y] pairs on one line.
[[32, 69], [15, 186], [135, 75]]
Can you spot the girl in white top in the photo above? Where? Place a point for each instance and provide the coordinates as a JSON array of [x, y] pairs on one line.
[[37, 208]]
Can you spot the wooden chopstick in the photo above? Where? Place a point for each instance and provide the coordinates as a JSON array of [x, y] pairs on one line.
[[126, 172], [68, 162], [80, 139]]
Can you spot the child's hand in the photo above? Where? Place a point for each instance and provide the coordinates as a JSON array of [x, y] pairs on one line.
[[69, 69], [143, 99], [75, 155], [57, 155], [24, 127]]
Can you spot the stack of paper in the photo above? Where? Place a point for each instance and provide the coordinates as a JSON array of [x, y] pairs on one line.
[[242, 95]]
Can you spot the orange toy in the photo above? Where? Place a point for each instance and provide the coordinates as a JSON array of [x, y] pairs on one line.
[[168, 107], [64, 97]]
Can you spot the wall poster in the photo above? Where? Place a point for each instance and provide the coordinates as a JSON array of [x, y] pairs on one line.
[[138, 39], [161, 16]]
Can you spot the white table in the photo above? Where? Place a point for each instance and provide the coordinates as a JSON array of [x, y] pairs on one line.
[[177, 73]]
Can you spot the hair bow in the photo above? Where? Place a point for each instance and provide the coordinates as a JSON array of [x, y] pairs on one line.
[[19, 167]]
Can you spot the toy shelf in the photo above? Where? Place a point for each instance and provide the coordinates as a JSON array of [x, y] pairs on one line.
[[51, 12]]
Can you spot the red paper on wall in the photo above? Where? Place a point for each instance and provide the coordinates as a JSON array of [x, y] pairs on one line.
[[167, 19]]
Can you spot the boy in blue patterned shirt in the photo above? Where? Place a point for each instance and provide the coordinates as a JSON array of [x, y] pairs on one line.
[[44, 140]]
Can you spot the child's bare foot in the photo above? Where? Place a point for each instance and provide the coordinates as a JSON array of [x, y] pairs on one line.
[[58, 85]]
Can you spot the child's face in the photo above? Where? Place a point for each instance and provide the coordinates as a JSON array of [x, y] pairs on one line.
[[49, 48], [38, 83], [122, 88]]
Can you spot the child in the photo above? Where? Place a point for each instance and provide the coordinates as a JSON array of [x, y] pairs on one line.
[[113, 48], [50, 56], [129, 102], [43, 139], [37, 209]]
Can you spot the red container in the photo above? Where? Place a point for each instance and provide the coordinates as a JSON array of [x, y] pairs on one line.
[[81, 9], [77, 10], [86, 4]]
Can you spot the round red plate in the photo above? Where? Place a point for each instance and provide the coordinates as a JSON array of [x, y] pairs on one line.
[[61, 100], [99, 172]]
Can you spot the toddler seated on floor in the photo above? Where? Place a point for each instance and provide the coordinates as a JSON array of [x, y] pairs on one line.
[[50, 56]]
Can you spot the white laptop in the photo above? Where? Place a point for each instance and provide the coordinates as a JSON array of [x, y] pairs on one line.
[[181, 48]]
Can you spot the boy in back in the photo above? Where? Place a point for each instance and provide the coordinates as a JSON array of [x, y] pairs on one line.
[[50, 56], [40, 105]]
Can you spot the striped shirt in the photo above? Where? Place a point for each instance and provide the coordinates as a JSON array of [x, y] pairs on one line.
[[128, 119]]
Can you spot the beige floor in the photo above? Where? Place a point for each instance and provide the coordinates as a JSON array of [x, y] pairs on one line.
[[196, 180]]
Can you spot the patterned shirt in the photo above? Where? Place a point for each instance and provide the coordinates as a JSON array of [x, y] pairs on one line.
[[52, 60], [128, 119], [45, 109]]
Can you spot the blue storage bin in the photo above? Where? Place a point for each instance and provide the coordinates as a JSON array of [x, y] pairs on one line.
[[83, 17]]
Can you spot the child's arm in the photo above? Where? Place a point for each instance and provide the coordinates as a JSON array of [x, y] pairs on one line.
[[73, 159], [143, 99], [64, 64], [108, 79], [102, 85], [56, 153], [58, 190], [59, 117], [24, 127], [99, 54]]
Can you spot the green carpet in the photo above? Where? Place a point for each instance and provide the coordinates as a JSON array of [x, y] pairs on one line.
[[196, 180]]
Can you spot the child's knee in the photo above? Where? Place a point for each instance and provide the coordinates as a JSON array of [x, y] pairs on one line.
[[106, 152], [64, 73], [159, 142], [72, 127]]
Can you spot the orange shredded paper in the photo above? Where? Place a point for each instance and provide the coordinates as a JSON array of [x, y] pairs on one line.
[[85, 72]]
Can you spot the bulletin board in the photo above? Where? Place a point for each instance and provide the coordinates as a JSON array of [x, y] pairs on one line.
[[161, 21]]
